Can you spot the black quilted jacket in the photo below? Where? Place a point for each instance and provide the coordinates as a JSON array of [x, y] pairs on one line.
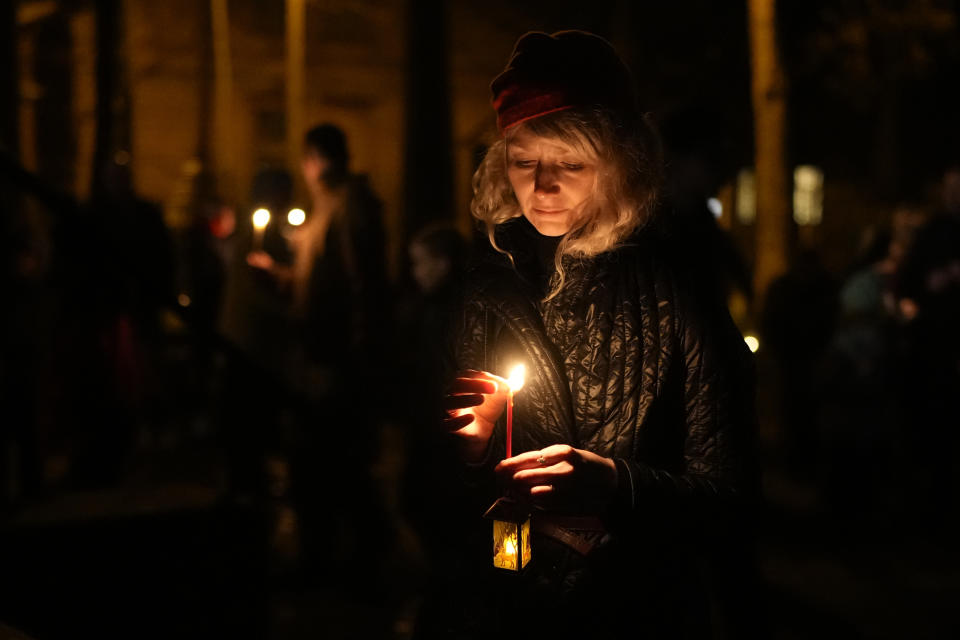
[[624, 362], [627, 363]]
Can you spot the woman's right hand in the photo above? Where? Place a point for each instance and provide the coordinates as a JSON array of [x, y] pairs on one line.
[[473, 404]]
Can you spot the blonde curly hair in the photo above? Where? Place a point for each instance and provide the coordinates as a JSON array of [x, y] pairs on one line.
[[625, 193]]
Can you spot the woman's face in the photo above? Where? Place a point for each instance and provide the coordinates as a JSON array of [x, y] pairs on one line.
[[552, 180]]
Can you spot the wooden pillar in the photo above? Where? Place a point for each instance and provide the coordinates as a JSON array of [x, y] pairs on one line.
[[295, 61], [83, 49], [769, 92], [9, 79], [107, 39], [223, 118], [29, 92]]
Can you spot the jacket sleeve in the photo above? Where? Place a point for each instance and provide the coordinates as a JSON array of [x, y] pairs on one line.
[[717, 416]]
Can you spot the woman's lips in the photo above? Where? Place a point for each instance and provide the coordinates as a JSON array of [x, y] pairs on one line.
[[548, 211]]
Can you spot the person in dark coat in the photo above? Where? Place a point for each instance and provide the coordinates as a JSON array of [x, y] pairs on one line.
[[631, 441], [929, 291], [337, 286]]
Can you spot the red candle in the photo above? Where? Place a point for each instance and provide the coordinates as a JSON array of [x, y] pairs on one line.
[[510, 423]]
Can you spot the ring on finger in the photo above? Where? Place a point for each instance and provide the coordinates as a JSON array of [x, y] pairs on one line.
[[541, 460]]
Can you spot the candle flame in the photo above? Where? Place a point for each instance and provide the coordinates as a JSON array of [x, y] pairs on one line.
[[261, 218], [296, 217], [517, 376], [510, 546]]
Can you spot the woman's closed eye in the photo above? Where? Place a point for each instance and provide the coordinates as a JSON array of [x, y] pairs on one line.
[[524, 164], [572, 166]]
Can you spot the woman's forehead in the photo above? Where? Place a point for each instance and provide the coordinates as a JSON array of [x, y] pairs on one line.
[[523, 140]]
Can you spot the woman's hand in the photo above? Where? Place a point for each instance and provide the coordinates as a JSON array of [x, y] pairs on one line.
[[473, 404], [562, 478]]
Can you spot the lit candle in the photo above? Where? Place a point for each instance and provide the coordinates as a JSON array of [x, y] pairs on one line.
[[261, 218], [514, 382], [296, 217]]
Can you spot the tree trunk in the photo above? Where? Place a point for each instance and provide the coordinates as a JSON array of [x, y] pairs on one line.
[[769, 92], [224, 157]]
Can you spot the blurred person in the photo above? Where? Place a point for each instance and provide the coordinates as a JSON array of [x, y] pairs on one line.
[[930, 274], [336, 287], [255, 314], [141, 242], [438, 255], [336, 278], [96, 277], [856, 383], [907, 221], [255, 321], [633, 430], [929, 299], [204, 250], [127, 253], [413, 456], [797, 323]]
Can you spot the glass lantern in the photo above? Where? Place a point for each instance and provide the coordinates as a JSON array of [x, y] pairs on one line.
[[511, 535]]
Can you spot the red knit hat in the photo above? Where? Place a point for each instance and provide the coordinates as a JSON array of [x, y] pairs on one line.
[[564, 70]]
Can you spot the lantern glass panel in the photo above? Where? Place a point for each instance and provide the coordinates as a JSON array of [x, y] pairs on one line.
[[525, 544], [505, 545]]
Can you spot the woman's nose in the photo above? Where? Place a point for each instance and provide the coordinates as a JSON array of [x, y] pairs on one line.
[[546, 180]]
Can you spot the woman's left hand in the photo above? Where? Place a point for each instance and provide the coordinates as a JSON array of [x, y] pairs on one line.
[[562, 478]]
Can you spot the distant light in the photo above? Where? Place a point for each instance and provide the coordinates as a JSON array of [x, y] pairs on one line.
[[184, 300], [752, 343], [807, 195], [121, 158], [296, 217], [716, 207], [261, 218], [746, 196]]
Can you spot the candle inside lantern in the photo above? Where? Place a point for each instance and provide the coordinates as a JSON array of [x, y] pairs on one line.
[[261, 218], [515, 383], [509, 552], [506, 555]]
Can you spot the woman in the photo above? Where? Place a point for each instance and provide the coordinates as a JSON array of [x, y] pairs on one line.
[[631, 435]]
